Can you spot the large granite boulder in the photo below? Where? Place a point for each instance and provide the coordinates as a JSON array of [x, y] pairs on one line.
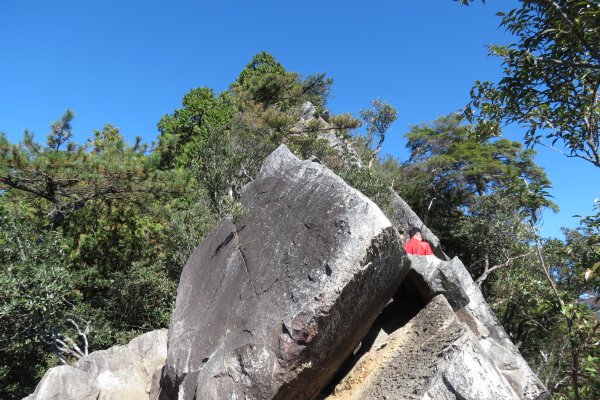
[[433, 356], [119, 373], [430, 276], [269, 306]]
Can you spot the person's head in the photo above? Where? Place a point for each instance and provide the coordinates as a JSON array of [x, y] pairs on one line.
[[415, 232]]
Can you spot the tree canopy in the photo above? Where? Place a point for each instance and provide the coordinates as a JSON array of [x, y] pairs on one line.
[[551, 77]]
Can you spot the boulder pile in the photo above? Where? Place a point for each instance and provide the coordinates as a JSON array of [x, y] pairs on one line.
[[310, 295]]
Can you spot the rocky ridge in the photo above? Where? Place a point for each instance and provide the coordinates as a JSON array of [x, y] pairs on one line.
[[275, 304]]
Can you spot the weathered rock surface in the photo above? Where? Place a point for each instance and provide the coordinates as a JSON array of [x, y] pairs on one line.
[[65, 383], [271, 305], [434, 356], [119, 373], [433, 276]]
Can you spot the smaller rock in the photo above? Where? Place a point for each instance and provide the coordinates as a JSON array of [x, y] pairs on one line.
[[119, 373], [308, 111], [65, 383]]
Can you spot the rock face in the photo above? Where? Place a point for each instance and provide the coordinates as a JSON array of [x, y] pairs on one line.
[[119, 373], [271, 305], [433, 276], [434, 356]]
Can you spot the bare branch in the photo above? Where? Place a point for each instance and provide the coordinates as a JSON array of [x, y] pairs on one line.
[[489, 270], [569, 63], [83, 335], [540, 255]]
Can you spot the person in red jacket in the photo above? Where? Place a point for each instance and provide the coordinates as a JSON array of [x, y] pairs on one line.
[[416, 245]]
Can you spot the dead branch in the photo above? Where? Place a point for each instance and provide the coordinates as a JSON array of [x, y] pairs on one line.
[[489, 269]]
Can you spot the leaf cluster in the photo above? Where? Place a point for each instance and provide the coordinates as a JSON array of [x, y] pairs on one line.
[[551, 76]]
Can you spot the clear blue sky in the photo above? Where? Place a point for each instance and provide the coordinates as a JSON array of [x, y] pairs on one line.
[[129, 62]]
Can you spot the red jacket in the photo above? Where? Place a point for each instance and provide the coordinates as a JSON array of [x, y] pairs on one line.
[[418, 247]]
